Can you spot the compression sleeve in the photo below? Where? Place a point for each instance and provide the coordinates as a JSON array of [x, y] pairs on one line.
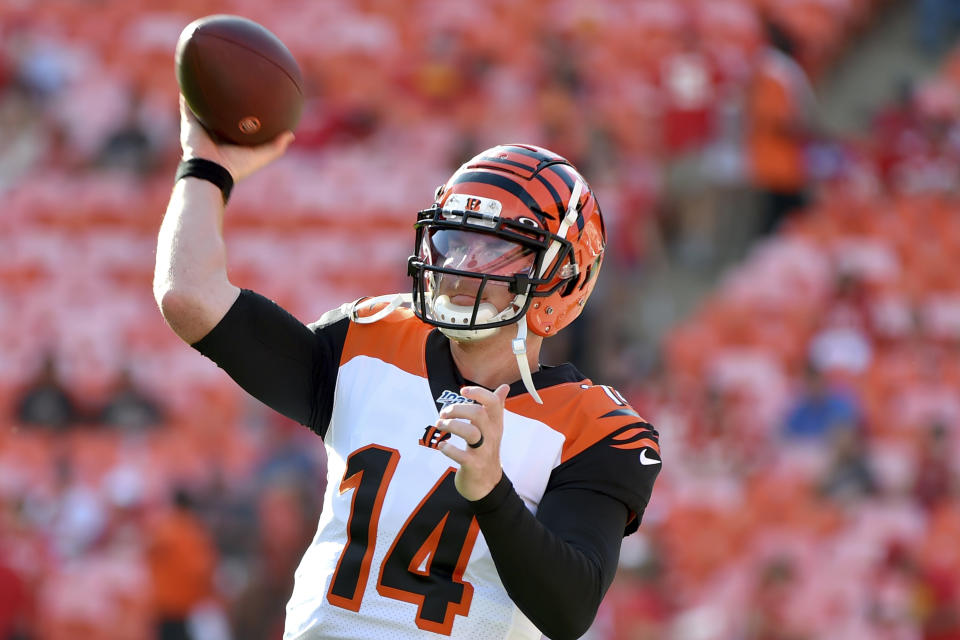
[[556, 566], [285, 364]]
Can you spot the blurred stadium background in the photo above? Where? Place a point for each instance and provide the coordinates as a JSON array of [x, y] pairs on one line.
[[781, 297]]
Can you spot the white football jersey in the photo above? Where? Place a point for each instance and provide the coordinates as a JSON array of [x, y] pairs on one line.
[[398, 553]]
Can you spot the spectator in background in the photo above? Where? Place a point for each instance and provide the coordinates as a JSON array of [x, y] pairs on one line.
[[769, 617], [821, 409], [849, 476], [128, 407], [689, 84], [935, 480], [291, 479], [287, 510], [939, 595], [8, 71], [79, 514], [290, 457], [45, 63], [182, 561], [228, 512], [892, 600], [15, 604], [897, 130], [24, 134], [45, 400], [937, 23], [642, 604], [129, 146], [841, 347], [24, 556], [780, 111]]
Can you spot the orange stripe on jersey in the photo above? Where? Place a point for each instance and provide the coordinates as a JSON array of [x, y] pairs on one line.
[[399, 339], [629, 433], [638, 444], [585, 414]]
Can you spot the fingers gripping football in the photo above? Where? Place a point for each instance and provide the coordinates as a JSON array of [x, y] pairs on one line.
[[480, 425], [240, 161]]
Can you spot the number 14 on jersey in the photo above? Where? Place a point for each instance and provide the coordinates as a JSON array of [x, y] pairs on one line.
[[425, 563]]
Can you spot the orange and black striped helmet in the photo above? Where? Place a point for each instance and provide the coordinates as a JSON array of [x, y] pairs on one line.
[[541, 233]]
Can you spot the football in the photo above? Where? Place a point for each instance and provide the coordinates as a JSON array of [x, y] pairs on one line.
[[239, 79]]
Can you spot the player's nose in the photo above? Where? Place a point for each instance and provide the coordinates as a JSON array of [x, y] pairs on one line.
[[457, 285]]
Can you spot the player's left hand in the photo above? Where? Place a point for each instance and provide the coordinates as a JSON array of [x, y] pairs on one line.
[[480, 469]]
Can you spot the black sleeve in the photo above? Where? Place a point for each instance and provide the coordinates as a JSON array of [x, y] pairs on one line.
[[285, 364], [558, 565]]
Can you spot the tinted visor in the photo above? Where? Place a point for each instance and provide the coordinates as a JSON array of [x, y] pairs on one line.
[[475, 252]]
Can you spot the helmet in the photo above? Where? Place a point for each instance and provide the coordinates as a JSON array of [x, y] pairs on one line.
[[515, 218]]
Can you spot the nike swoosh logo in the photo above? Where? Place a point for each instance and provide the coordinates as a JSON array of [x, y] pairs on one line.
[[644, 460]]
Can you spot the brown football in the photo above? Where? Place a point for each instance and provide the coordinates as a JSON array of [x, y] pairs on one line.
[[239, 79]]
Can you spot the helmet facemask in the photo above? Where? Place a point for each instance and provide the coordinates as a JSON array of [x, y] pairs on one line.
[[476, 272], [530, 246]]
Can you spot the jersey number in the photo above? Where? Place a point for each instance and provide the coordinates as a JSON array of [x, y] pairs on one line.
[[425, 564]]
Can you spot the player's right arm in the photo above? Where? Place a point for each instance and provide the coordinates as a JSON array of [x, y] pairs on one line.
[[267, 351], [190, 280]]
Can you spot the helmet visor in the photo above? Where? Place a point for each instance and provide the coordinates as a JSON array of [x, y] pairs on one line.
[[473, 252]]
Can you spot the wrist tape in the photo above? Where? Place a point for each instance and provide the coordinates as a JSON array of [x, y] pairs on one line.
[[209, 171]]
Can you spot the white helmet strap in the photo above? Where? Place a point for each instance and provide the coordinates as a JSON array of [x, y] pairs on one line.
[[568, 221], [520, 351], [520, 342]]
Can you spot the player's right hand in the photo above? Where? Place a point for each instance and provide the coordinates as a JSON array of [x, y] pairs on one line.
[[240, 161]]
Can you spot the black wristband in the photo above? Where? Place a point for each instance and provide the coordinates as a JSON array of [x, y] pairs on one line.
[[209, 171]]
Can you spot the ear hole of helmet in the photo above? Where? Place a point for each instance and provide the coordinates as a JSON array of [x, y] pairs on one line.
[[570, 273], [591, 271]]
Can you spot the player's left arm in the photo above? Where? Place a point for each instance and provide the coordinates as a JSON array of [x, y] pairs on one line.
[[558, 564]]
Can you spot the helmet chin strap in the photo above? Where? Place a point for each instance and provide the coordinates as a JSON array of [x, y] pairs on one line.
[[520, 342], [520, 351]]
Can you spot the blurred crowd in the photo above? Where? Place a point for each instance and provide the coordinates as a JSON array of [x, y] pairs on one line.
[[808, 410]]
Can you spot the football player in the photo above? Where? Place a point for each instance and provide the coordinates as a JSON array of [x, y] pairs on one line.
[[473, 491]]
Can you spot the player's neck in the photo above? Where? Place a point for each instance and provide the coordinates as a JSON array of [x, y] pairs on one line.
[[490, 362]]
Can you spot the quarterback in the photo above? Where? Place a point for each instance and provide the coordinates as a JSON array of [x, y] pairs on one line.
[[473, 492]]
